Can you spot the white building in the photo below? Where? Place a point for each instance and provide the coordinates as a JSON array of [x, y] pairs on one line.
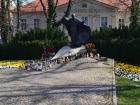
[[95, 13]]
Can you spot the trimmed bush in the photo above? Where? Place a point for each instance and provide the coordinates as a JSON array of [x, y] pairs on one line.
[[20, 50], [122, 44], [30, 45]]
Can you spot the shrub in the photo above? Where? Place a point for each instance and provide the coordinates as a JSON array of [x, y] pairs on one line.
[[30, 45], [20, 50], [122, 44], [39, 34]]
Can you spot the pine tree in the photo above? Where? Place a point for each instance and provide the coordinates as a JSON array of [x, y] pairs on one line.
[[135, 13]]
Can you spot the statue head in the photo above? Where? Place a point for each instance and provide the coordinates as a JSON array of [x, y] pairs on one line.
[[73, 15], [78, 32]]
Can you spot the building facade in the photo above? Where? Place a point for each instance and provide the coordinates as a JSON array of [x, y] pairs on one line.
[[95, 13]]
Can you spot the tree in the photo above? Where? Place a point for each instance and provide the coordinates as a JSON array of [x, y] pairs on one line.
[[135, 12], [50, 14], [5, 20], [18, 14], [18, 4]]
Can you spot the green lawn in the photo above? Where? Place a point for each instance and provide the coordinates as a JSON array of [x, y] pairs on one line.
[[128, 92]]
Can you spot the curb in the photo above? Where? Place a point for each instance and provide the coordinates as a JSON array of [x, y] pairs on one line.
[[114, 86]]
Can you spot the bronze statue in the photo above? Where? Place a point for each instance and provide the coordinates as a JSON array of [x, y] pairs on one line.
[[77, 30]]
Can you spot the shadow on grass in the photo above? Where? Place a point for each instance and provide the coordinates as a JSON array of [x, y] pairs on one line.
[[127, 88], [128, 91]]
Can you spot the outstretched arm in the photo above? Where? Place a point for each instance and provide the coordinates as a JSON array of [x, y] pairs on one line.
[[67, 13]]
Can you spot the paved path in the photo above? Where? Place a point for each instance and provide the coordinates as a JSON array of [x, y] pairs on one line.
[[80, 82]]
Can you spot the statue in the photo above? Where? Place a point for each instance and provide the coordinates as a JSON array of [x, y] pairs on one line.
[[77, 30], [80, 35]]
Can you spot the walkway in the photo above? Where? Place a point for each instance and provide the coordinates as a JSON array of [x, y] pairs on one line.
[[80, 82]]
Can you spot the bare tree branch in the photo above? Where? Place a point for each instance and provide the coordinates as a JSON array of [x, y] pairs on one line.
[[56, 4], [123, 2], [18, 14], [44, 9]]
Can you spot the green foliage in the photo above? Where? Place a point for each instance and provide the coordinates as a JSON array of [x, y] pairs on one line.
[[51, 20], [30, 45], [135, 13], [121, 44], [21, 50], [52, 37], [37, 34], [128, 92]]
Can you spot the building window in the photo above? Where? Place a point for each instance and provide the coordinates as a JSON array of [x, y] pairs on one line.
[[104, 21], [85, 20], [121, 22], [23, 24], [84, 5], [36, 23]]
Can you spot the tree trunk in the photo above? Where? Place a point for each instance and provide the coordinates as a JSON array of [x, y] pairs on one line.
[[4, 22], [44, 10], [50, 14], [18, 15]]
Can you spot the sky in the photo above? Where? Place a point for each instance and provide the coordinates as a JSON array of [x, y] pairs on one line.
[[27, 1]]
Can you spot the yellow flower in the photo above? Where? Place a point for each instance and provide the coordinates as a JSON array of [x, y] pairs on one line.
[[12, 63], [128, 67]]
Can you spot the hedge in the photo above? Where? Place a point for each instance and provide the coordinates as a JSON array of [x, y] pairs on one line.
[[121, 44], [30, 45], [28, 50]]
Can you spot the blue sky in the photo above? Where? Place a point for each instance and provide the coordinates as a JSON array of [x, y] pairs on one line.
[[29, 0]]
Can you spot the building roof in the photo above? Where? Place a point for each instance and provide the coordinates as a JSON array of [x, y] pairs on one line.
[[35, 6], [120, 4]]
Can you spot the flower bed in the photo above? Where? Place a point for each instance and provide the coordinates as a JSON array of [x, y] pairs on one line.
[[12, 64], [128, 71], [23, 65]]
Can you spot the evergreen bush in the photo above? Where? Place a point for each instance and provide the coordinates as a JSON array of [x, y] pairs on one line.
[[122, 44], [30, 45]]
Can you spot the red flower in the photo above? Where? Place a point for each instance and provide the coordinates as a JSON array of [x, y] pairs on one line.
[[51, 49]]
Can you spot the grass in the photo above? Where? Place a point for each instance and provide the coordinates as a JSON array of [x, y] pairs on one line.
[[128, 92]]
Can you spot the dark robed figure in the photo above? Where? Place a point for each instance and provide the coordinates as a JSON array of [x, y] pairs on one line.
[[77, 30], [80, 35]]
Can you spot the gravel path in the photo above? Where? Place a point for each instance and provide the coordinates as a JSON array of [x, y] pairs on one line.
[[80, 82]]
